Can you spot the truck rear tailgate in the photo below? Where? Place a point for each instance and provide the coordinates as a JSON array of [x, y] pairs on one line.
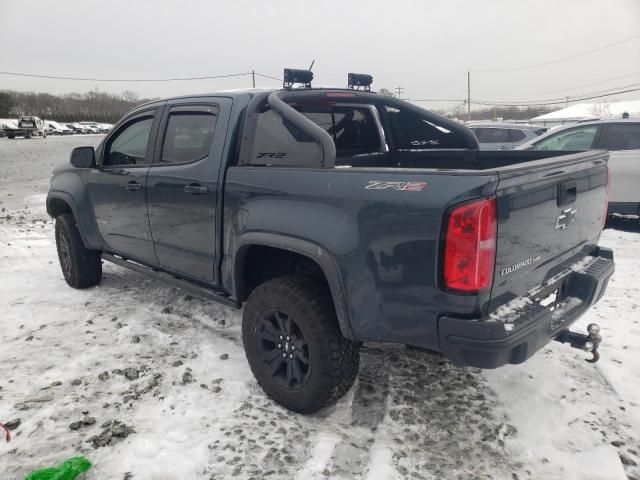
[[550, 213]]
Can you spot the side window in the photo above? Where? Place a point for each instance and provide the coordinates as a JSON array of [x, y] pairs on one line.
[[516, 135], [129, 145], [414, 132], [622, 136], [580, 138], [189, 134]]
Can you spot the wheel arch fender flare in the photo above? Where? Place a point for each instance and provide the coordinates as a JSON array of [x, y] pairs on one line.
[[55, 201], [306, 248]]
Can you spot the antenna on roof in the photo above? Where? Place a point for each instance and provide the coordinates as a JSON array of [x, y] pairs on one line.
[[311, 66]]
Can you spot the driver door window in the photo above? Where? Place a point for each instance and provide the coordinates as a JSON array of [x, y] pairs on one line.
[[573, 139], [129, 146]]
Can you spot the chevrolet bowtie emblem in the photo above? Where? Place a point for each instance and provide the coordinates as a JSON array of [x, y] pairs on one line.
[[566, 218]]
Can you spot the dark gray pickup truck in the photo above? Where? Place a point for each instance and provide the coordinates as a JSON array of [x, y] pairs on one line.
[[338, 217]]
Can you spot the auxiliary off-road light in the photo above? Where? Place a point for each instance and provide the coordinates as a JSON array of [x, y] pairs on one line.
[[294, 76], [593, 329], [357, 80], [587, 346]]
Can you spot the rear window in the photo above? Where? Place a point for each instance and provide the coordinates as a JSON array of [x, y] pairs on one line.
[[516, 135], [492, 135], [354, 129], [622, 137], [410, 131]]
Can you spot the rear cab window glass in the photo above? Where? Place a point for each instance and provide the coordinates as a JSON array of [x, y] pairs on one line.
[[353, 128], [621, 136], [410, 131], [189, 134]]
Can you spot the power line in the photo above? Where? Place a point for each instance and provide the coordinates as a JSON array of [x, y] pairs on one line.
[[582, 86], [59, 77], [447, 85], [572, 99], [455, 107], [269, 76], [564, 98], [561, 59]]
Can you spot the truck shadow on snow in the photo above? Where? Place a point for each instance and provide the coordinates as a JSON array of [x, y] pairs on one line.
[[626, 224], [427, 416]]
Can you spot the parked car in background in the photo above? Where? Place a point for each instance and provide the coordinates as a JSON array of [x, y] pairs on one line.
[[55, 128], [92, 128], [503, 136], [82, 128], [28, 126], [621, 137], [104, 127]]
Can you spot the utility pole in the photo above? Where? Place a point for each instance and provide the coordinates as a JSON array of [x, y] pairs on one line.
[[399, 91], [253, 77], [468, 95]]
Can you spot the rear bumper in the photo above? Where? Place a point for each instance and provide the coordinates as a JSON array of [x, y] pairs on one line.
[[519, 333]]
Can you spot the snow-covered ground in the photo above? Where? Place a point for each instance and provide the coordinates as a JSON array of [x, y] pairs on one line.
[[171, 367]]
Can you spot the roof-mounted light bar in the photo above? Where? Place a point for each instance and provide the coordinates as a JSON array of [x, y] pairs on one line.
[[357, 80], [293, 76]]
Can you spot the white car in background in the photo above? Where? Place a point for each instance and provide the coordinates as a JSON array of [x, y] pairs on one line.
[[621, 137], [502, 135]]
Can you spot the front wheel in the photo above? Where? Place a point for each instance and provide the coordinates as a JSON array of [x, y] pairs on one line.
[[294, 346], [81, 267]]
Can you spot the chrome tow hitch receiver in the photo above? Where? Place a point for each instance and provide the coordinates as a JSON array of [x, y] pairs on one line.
[[588, 343]]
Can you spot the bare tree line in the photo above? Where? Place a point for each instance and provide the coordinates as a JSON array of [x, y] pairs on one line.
[[90, 106], [108, 107]]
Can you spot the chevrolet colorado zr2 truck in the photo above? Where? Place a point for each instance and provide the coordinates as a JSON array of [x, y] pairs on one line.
[[339, 216]]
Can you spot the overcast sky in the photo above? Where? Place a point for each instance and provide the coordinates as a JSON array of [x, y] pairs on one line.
[[424, 46]]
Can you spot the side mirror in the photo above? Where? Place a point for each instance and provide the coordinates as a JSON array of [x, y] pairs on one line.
[[83, 157]]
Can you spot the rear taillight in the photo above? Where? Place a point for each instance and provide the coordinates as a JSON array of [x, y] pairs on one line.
[[470, 246], [606, 199]]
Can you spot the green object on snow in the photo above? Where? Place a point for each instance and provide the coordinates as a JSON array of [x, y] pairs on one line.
[[67, 470]]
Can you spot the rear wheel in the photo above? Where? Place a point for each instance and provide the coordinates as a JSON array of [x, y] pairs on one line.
[[81, 267], [294, 346]]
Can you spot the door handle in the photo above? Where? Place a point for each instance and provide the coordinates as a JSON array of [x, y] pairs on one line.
[[567, 192], [196, 189], [132, 186]]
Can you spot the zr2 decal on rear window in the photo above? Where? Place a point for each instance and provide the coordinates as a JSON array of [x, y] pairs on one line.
[[402, 186]]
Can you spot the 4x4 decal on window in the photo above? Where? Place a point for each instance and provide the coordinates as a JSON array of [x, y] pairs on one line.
[[402, 186]]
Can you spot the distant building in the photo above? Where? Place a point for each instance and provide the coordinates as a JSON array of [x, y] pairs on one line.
[[589, 111]]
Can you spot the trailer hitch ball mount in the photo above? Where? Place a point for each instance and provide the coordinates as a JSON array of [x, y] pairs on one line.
[[588, 343]]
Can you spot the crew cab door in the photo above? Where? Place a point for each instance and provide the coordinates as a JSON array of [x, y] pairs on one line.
[[183, 185], [117, 188]]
